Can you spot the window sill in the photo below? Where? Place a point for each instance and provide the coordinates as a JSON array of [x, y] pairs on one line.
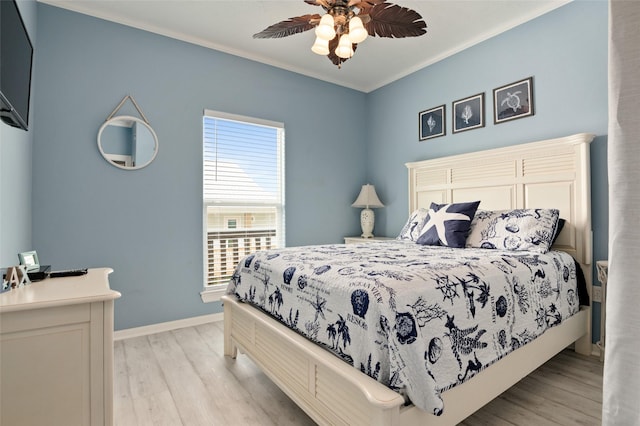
[[213, 294]]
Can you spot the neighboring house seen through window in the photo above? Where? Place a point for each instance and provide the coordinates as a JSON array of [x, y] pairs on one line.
[[243, 181]]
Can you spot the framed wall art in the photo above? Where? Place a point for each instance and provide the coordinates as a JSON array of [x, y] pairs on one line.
[[513, 101], [432, 123], [468, 113]]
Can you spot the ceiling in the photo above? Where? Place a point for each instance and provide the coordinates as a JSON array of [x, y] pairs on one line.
[[228, 26]]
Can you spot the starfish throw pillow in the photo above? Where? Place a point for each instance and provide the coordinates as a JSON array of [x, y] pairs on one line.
[[448, 224]]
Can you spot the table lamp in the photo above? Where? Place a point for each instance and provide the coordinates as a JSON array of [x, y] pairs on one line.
[[367, 199]]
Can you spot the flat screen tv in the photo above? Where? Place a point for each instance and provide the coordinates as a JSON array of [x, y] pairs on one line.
[[16, 54]]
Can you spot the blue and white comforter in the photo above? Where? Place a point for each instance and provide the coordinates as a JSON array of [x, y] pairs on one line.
[[419, 319]]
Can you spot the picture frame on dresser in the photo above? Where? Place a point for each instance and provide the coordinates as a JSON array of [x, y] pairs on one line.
[[29, 259], [468, 113]]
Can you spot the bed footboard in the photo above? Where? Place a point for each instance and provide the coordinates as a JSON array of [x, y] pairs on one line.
[[322, 385]]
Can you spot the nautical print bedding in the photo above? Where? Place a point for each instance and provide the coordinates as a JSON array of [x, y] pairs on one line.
[[420, 319]]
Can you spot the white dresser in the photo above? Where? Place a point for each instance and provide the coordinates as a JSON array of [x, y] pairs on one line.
[[56, 352]]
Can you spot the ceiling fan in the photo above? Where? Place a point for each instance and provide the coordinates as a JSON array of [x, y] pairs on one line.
[[347, 23]]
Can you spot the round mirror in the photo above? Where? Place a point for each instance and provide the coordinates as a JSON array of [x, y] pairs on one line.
[[127, 142]]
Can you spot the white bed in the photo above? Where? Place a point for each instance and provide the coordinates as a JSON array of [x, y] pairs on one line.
[[546, 174]]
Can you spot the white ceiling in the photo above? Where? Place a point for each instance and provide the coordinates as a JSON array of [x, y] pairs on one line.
[[228, 26]]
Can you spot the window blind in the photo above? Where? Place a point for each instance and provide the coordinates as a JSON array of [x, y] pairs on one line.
[[243, 189], [242, 162]]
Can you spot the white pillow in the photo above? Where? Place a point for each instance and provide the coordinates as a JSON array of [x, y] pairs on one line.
[[411, 229], [518, 230]]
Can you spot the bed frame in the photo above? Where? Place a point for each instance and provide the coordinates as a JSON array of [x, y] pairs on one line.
[[552, 173]]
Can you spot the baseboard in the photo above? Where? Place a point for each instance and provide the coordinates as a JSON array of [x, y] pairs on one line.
[[166, 326]]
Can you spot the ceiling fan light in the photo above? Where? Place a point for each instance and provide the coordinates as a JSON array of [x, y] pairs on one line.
[[344, 49], [357, 32], [321, 47], [325, 29]]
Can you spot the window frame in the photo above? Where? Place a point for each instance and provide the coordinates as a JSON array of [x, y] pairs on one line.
[[213, 293]]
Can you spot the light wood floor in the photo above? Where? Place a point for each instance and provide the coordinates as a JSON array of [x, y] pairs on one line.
[[182, 378]]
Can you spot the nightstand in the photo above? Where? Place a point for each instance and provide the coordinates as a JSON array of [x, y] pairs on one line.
[[356, 240], [603, 272]]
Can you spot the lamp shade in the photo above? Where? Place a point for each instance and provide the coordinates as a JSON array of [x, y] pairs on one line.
[[357, 32], [367, 198], [345, 48], [325, 29], [321, 47]]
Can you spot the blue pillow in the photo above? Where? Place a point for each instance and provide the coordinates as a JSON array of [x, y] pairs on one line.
[[556, 234], [448, 224]]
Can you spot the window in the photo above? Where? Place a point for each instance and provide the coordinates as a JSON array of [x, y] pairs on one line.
[[243, 181]]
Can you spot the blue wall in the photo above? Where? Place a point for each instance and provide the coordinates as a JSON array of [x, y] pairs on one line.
[[566, 53], [146, 224], [15, 170]]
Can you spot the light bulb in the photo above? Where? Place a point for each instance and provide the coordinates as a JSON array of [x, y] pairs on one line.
[[325, 29], [357, 32], [321, 47], [344, 49]]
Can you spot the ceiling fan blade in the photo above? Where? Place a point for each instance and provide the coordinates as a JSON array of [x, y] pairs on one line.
[[289, 27], [364, 4], [391, 20], [323, 3]]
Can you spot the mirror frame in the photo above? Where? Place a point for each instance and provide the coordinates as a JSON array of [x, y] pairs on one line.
[[128, 118]]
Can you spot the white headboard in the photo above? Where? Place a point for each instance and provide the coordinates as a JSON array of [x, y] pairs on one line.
[[553, 173]]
